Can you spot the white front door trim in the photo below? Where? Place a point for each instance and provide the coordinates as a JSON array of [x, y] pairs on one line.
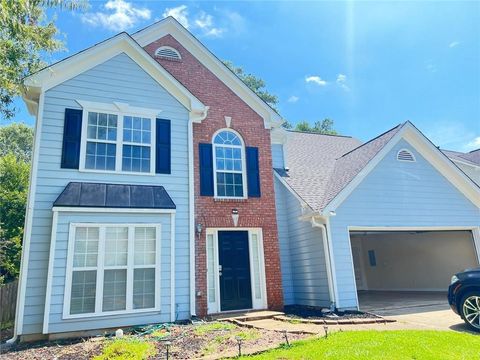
[[215, 306]]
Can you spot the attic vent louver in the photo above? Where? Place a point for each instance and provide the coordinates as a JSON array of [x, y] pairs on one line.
[[405, 155], [167, 52]]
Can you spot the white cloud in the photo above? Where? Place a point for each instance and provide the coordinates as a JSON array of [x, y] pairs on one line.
[[473, 145], [180, 13], [342, 82], [453, 135], [453, 44], [293, 99], [117, 15], [315, 79], [430, 66], [202, 23]]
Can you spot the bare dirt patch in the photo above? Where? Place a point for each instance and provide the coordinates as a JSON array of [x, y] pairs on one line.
[[210, 340]]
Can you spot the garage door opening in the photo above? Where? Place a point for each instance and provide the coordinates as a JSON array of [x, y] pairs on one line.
[[408, 268]]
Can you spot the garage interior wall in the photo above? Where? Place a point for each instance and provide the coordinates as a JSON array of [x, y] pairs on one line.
[[417, 261]]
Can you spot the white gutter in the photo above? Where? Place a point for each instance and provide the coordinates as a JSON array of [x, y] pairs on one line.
[[332, 286]]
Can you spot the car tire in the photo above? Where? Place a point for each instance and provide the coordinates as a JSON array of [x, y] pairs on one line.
[[470, 309]]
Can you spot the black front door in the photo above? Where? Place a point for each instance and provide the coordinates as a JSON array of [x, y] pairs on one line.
[[234, 261]]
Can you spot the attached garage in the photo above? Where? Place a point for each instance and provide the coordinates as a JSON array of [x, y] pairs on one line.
[[410, 260]]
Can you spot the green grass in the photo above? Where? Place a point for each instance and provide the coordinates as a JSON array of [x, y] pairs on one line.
[[127, 349], [213, 326], [391, 345]]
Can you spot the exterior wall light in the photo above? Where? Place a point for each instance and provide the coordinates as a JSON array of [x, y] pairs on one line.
[[199, 228], [235, 217]]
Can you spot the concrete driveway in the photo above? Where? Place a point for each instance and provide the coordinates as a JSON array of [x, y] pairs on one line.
[[413, 310]]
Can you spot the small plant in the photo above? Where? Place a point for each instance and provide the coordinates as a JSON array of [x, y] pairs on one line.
[[214, 326], [127, 349], [250, 334], [160, 334]]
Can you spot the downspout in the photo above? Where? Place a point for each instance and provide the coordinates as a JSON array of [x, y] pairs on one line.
[[328, 258], [22, 280], [191, 206], [197, 116]]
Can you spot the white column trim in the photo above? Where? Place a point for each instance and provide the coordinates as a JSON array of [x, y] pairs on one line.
[[51, 261]]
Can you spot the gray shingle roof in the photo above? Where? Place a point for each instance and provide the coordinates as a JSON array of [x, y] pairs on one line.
[[472, 157], [80, 194], [322, 165], [311, 159]]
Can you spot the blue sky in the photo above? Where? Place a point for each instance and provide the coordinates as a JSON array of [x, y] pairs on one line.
[[366, 65]]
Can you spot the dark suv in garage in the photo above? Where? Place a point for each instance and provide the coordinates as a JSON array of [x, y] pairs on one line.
[[464, 296]]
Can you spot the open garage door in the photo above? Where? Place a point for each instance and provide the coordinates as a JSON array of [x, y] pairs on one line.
[[414, 262], [410, 261]]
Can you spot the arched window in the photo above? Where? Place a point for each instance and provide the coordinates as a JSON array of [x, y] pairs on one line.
[[229, 165]]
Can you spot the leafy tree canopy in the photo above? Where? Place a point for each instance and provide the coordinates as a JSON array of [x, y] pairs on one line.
[[25, 34], [324, 126], [17, 139], [13, 198], [257, 85]]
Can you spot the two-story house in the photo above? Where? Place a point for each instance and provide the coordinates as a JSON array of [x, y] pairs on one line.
[[163, 188], [151, 177]]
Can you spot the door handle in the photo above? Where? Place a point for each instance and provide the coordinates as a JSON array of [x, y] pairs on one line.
[[220, 270]]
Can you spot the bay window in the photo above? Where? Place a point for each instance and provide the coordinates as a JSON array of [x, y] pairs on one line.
[[112, 269]]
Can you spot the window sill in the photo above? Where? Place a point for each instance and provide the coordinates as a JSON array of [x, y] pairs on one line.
[[117, 172], [112, 313], [230, 200]]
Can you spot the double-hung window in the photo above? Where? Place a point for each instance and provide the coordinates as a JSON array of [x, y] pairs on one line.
[[118, 138], [112, 269], [229, 167]]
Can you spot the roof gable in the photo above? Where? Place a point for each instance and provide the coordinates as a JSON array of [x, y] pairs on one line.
[[325, 170], [122, 43], [170, 26], [425, 148]]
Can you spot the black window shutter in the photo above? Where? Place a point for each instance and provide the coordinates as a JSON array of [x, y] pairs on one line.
[[72, 134], [163, 147], [253, 172], [206, 169]]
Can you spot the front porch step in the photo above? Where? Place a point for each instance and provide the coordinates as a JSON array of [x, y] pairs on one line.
[[245, 316]]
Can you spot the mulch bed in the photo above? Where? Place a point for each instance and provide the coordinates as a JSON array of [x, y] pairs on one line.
[[315, 313], [186, 342]]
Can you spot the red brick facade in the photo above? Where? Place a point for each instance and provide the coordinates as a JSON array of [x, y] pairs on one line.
[[254, 212]]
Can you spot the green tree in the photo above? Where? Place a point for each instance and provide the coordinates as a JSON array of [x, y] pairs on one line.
[[25, 35], [17, 139], [324, 126], [257, 85], [14, 176]]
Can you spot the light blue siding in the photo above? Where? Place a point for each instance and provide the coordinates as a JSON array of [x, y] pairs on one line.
[[395, 193], [118, 79], [302, 257], [277, 156], [56, 323]]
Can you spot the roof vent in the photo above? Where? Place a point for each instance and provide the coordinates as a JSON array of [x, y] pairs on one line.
[[167, 52], [405, 155]]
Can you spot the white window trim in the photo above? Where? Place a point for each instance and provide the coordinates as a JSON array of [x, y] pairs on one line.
[[100, 271], [257, 304], [244, 165], [121, 110]]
